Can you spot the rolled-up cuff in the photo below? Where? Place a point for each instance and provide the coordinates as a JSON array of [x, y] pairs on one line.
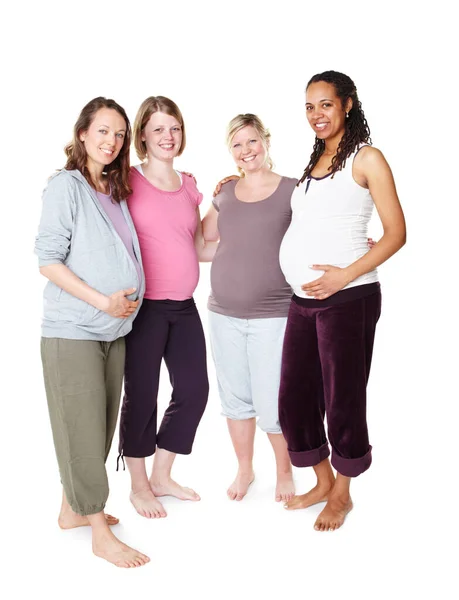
[[309, 458], [351, 467]]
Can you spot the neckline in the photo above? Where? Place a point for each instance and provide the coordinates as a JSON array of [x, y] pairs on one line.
[[157, 189], [263, 199], [353, 155], [320, 178]]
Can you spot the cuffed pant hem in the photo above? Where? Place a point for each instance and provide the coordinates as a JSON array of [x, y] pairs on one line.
[[351, 467], [239, 417], [90, 510], [309, 458]]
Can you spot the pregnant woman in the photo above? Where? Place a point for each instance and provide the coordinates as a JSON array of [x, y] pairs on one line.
[[88, 249], [165, 209], [250, 298], [336, 304]]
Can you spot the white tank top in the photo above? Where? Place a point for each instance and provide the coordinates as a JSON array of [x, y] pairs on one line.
[[329, 227]]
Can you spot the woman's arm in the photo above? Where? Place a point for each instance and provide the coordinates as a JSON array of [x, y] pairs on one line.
[[52, 246], [205, 247], [116, 305], [209, 225], [378, 176]]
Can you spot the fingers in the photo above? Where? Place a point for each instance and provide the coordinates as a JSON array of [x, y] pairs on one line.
[[129, 291], [312, 284]]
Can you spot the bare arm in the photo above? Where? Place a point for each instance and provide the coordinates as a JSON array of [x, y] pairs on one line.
[[205, 248], [209, 225], [381, 184], [373, 168], [52, 246], [116, 305]]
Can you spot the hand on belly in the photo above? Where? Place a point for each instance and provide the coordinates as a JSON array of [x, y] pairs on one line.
[[329, 281]]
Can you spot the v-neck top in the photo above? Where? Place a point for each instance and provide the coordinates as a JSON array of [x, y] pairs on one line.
[[116, 216], [166, 223]]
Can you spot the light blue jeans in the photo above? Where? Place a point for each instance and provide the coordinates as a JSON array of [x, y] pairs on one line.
[[247, 354]]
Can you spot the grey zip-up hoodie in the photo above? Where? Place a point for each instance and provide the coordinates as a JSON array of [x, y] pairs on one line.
[[75, 231]]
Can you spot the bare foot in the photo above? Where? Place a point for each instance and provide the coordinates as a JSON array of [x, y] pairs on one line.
[[240, 486], [146, 504], [107, 546], [285, 488], [69, 520], [334, 513], [169, 487], [319, 493]]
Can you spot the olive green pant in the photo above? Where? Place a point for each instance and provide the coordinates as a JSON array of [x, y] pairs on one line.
[[83, 381]]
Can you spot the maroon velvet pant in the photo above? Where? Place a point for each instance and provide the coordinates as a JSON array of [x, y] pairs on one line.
[[326, 362]]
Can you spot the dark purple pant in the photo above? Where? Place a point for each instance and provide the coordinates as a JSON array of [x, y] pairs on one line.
[[169, 329], [326, 361]]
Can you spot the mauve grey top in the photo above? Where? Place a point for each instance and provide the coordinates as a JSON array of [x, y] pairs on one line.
[[246, 278], [115, 214]]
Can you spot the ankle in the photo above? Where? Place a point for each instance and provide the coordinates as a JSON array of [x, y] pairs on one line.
[[245, 468], [326, 483], [138, 488], [341, 496], [283, 470], [159, 478]]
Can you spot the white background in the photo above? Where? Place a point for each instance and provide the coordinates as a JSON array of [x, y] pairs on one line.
[[216, 60]]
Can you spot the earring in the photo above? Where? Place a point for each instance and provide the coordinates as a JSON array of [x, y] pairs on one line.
[[347, 115]]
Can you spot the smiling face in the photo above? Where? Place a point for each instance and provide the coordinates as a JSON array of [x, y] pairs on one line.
[[162, 136], [324, 110], [104, 138], [248, 151]]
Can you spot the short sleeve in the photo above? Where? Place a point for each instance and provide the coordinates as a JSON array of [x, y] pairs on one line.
[[52, 243], [192, 190]]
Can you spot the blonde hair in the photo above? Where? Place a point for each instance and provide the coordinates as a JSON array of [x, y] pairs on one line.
[[147, 108], [241, 121]]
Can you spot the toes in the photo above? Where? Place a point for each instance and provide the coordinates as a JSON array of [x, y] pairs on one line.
[[280, 497], [231, 494]]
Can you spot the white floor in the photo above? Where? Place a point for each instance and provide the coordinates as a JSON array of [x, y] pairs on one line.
[[392, 544]]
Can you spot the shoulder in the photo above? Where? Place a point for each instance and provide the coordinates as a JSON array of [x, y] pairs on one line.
[[225, 195], [134, 174], [287, 186], [290, 181], [189, 184], [62, 181], [369, 156]]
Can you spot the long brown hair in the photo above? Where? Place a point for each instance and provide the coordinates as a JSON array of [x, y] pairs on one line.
[[147, 108], [117, 171], [356, 126]]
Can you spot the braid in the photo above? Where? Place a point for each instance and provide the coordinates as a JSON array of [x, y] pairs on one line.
[[319, 146], [356, 132]]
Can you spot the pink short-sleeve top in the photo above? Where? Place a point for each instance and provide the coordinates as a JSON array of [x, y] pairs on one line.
[[166, 225]]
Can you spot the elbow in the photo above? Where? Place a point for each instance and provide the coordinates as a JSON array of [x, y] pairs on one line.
[[402, 240], [45, 270]]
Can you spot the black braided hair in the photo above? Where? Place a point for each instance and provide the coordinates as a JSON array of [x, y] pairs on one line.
[[357, 130]]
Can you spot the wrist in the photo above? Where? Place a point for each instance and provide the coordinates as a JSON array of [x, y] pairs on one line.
[[103, 302], [349, 274]]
